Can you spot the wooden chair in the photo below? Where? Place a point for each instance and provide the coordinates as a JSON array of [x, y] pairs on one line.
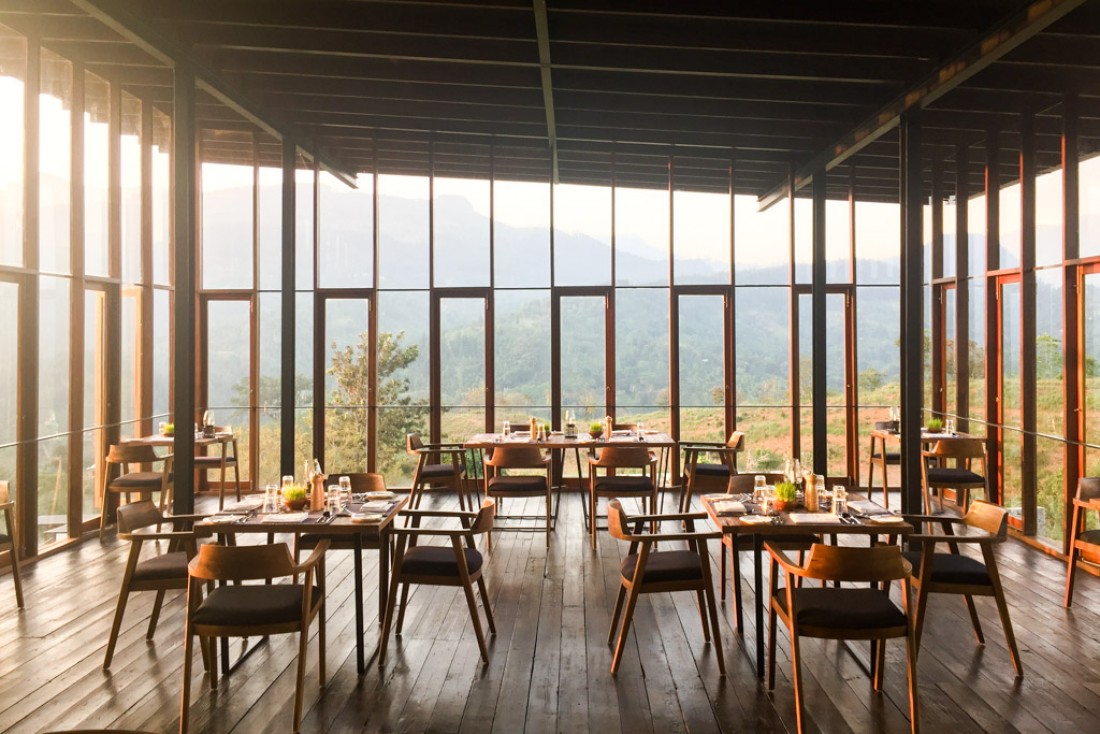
[[884, 458], [460, 564], [252, 610], [743, 484], [9, 541], [159, 573], [1083, 544], [499, 484], [938, 474], [132, 480], [432, 469], [645, 571], [955, 573], [843, 613], [222, 460], [609, 485], [699, 475]]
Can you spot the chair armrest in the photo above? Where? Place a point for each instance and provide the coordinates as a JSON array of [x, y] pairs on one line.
[[669, 537], [1083, 504], [9, 505], [934, 518], [314, 557], [780, 557], [433, 532], [703, 446], [186, 518], [439, 513], [163, 535], [953, 539], [677, 516]]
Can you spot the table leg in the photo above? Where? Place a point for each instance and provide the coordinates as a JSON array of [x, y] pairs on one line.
[[758, 578], [360, 659], [384, 551]]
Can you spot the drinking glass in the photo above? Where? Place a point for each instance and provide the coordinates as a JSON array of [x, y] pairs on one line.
[[759, 482], [506, 428], [335, 504], [271, 498], [288, 480], [949, 426], [345, 492]]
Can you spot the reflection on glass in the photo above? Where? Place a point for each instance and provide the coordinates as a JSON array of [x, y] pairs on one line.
[[461, 211], [346, 246], [582, 235], [702, 368], [583, 357]]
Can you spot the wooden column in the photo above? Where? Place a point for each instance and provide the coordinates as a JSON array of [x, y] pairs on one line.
[[184, 182], [730, 313], [937, 339], [792, 324], [992, 303], [289, 311], [145, 409], [1071, 308], [962, 290], [912, 312], [76, 456], [1028, 372], [817, 297]]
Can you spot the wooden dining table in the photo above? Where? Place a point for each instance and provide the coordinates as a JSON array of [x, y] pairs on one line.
[[882, 437], [371, 535], [782, 526]]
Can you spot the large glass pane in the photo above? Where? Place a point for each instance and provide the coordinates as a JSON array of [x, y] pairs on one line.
[[97, 102], [1049, 344], [521, 234], [701, 237], [403, 380], [641, 237], [53, 355], [130, 202], [878, 324], [1011, 418], [803, 240], [347, 384], [403, 231], [95, 401], [228, 369], [976, 237], [1048, 218], [162, 197], [304, 234], [53, 490], [878, 244], [582, 235], [1050, 492], [269, 213], [762, 332], [9, 364], [1089, 197], [462, 366], [949, 243], [702, 350], [835, 393], [583, 357], [977, 352], [162, 350], [130, 370], [1090, 328], [461, 230], [1010, 225], [521, 345], [226, 226], [13, 48], [268, 392], [346, 221], [761, 242], [950, 376], [641, 357], [838, 242], [54, 160], [303, 378]]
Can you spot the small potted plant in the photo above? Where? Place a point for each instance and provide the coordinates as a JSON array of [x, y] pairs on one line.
[[169, 429], [935, 425], [596, 429], [295, 498], [786, 496]]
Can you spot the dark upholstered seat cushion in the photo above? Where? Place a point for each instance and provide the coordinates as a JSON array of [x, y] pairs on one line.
[[712, 470], [138, 479], [254, 604], [663, 566], [1092, 537], [162, 567], [892, 457], [434, 471], [843, 608], [435, 560], [949, 568], [4, 539], [624, 485], [215, 460], [518, 485], [938, 475]]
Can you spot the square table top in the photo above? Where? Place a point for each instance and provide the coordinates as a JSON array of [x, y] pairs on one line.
[[733, 525], [254, 522], [556, 440]]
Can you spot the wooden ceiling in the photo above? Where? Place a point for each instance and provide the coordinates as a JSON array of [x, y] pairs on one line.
[[593, 88]]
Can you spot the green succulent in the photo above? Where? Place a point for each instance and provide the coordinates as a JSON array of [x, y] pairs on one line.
[[786, 492], [935, 425], [595, 427], [294, 494]]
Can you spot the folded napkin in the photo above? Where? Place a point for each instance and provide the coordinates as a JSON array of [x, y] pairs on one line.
[[866, 508], [286, 517], [376, 506], [729, 507], [244, 505], [755, 519], [826, 518]]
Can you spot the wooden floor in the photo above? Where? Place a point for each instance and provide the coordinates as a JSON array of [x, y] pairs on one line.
[[549, 661]]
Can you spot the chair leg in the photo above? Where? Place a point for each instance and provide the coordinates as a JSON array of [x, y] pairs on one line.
[[299, 693], [221, 487], [735, 583], [155, 616], [628, 617], [975, 621], [468, 590], [212, 652], [920, 609], [391, 600], [485, 603], [185, 694], [1006, 622], [321, 639], [592, 517], [911, 674], [615, 615], [13, 557], [722, 572], [878, 652], [796, 674], [771, 647], [713, 607], [703, 614], [1071, 570], [401, 611], [116, 625]]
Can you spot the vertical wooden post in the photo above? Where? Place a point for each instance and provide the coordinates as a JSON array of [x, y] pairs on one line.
[[1028, 371], [1071, 308], [76, 456], [937, 335], [962, 283], [288, 310], [992, 309], [792, 327], [817, 296], [912, 313]]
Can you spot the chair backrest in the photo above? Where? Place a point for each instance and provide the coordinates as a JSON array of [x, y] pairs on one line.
[[852, 563], [737, 441], [884, 425], [132, 453], [1088, 488], [988, 517], [137, 515], [741, 483], [958, 448], [483, 521], [516, 457], [618, 522], [413, 443], [624, 456], [241, 562], [365, 481]]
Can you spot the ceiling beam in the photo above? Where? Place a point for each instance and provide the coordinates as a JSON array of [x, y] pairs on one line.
[[974, 58], [143, 35], [542, 30]]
